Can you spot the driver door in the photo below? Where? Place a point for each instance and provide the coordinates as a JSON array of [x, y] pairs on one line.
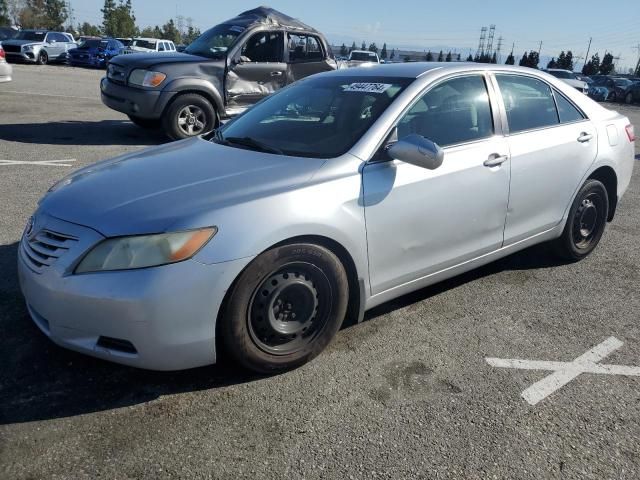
[[422, 221], [53, 46], [256, 70]]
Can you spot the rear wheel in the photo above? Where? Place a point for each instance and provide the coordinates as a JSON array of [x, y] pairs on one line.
[[612, 97], [628, 98], [586, 222], [285, 308], [189, 115], [149, 123], [43, 58]]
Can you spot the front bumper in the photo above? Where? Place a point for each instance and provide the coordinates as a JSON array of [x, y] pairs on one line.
[[5, 72], [88, 61], [160, 318], [134, 101], [29, 57]]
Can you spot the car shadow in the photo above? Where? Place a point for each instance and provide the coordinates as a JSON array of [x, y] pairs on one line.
[[74, 132], [42, 381]]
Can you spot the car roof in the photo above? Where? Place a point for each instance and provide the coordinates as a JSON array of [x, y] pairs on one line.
[[418, 69], [558, 70]]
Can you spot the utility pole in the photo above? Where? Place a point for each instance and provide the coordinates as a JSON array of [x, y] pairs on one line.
[[481, 42], [540, 49], [586, 57], [637, 70], [498, 49]]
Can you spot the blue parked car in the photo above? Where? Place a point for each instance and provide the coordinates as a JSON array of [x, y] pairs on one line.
[[95, 52]]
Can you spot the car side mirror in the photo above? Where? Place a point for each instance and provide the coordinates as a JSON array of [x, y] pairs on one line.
[[52, 41], [417, 150]]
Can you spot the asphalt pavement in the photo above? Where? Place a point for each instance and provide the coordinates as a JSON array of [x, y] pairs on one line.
[[408, 393]]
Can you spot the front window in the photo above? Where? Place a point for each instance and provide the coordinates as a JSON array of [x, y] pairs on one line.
[[32, 36], [303, 48], [622, 82], [91, 44], [264, 47], [363, 56], [320, 117], [144, 44], [215, 42]]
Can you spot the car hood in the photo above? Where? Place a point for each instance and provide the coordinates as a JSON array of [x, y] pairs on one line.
[[575, 83], [21, 42], [143, 60], [171, 186]]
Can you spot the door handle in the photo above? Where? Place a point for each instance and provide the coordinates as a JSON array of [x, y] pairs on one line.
[[495, 160], [584, 137], [276, 74]]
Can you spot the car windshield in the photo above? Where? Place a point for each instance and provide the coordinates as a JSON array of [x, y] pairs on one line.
[[7, 33], [215, 42], [89, 44], [363, 56], [151, 45], [320, 117], [34, 36], [561, 74]]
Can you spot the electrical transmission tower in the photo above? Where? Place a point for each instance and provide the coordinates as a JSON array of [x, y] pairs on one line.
[[499, 48], [481, 43], [492, 32]]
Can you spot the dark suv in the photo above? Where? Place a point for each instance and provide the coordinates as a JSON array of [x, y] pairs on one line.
[[225, 70]]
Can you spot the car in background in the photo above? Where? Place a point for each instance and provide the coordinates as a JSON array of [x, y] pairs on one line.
[[39, 46], [261, 239], [633, 94], [7, 33], [5, 69], [359, 58], [222, 73], [95, 52], [126, 41], [148, 45], [626, 90], [583, 78], [570, 78], [609, 89]]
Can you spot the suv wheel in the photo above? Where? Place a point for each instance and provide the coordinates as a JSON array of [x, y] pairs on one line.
[[43, 58], [189, 115], [145, 122]]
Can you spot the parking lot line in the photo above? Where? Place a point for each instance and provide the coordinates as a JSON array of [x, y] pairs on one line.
[[48, 95], [49, 163]]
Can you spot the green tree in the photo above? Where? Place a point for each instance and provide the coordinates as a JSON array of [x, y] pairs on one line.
[[373, 47], [119, 20], [524, 61], [353, 47], [470, 58], [49, 14], [552, 63], [383, 52], [170, 32], [344, 50], [429, 56], [510, 59], [4, 13], [533, 60], [562, 60], [393, 54], [364, 46], [441, 57], [607, 67], [494, 58], [90, 30], [448, 58], [592, 67], [568, 61]]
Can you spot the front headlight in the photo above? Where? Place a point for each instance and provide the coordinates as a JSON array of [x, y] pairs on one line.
[[142, 251], [146, 78], [28, 48]]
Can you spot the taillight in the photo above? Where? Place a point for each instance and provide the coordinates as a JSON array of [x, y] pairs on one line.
[[630, 133], [2, 55]]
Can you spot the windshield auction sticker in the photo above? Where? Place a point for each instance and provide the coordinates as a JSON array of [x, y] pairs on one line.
[[367, 87]]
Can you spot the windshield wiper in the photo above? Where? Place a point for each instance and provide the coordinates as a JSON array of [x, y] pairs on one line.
[[249, 142]]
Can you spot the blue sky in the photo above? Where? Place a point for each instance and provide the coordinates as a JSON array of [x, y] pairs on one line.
[[559, 24]]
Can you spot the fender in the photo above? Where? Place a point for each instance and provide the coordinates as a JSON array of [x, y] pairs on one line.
[[198, 85]]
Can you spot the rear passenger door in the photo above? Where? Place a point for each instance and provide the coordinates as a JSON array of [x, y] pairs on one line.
[[55, 44], [552, 145], [305, 56]]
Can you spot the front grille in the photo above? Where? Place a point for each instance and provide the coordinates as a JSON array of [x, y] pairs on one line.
[[42, 250], [11, 48]]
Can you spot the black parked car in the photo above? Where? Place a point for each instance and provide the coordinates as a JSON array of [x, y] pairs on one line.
[[227, 69]]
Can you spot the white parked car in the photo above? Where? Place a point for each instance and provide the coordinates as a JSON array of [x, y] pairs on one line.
[[146, 45], [569, 77], [359, 58]]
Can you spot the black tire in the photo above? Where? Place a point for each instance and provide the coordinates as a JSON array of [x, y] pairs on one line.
[[285, 308], [612, 97], [628, 98], [149, 123], [202, 119], [586, 222], [43, 58]]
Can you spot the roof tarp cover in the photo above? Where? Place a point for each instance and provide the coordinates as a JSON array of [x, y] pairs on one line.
[[267, 16]]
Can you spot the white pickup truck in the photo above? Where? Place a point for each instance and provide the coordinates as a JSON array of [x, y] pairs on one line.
[[358, 58]]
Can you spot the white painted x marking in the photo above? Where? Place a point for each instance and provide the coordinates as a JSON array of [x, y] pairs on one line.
[[564, 372], [49, 163]]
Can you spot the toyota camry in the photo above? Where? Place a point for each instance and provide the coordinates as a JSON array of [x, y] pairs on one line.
[[334, 195]]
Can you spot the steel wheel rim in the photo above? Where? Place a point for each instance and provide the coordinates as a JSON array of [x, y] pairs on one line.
[[587, 221], [192, 120], [289, 309]]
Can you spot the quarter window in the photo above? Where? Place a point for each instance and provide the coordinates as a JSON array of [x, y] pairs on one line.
[[264, 47], [566, 110], [528, 101], [303, 48], [455, 111]]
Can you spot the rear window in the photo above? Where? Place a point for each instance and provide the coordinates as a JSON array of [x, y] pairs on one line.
[[363, 56]]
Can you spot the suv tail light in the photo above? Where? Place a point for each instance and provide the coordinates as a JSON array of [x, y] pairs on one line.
[[2, 55], [630, 133]]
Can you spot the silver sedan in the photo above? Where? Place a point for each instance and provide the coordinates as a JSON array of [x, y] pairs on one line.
[[332, 196]]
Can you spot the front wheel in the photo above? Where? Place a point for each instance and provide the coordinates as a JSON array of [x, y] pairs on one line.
[[43, 58], [285, 308], [586, 222], [189, 115]]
